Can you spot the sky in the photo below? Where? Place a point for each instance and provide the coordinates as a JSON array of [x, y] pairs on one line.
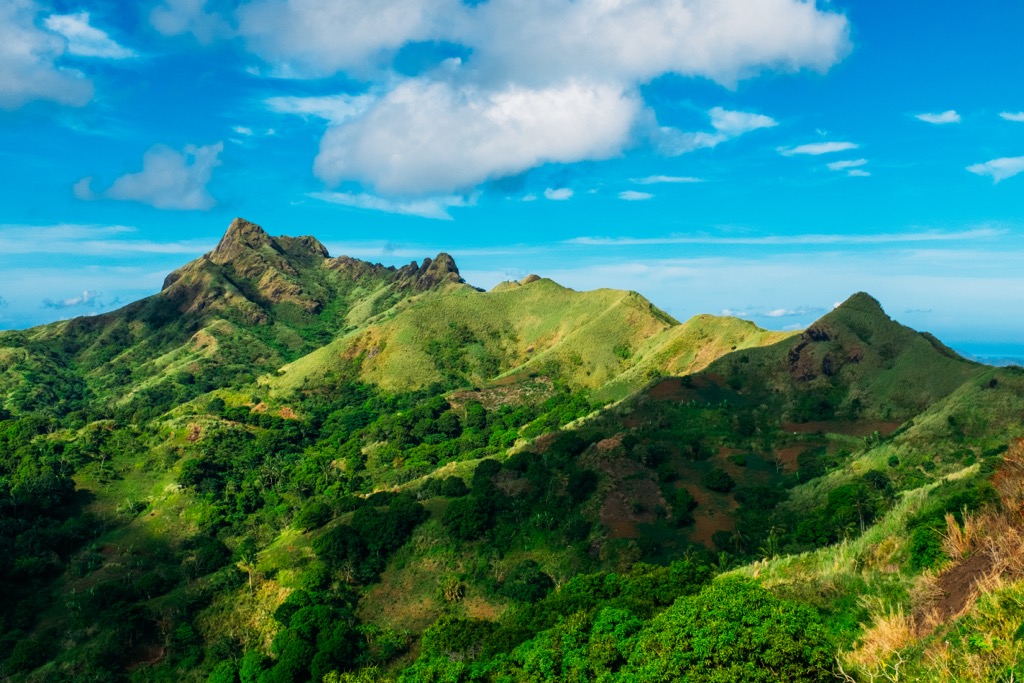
[[757, 158]]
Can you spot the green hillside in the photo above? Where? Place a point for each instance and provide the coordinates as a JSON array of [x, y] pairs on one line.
[[287, 467]]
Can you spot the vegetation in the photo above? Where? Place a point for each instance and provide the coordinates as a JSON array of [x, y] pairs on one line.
[[290, 468]]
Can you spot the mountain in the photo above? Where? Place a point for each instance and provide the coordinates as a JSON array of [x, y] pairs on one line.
[[252, 304], [256, 303], [286, 466]]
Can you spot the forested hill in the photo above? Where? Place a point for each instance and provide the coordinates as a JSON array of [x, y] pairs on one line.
[[288, 467]]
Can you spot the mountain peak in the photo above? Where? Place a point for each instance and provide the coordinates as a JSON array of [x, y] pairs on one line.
[[241, 236], [432, 272], [862, 302]]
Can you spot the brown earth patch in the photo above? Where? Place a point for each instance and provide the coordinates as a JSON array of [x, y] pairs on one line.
[[616, 517], [957, 584], [287, 413], [712, 514], [788, 455], [195, 432]]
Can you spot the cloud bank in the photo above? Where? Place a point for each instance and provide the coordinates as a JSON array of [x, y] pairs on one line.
[[29, 56], [543, 81]]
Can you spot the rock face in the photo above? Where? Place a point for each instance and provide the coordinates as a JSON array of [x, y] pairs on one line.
[[249, 270]]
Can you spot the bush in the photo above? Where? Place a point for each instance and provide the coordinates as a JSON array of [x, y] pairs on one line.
[[719, 480], [453, 487], [313, 515], [733, 630], [467, 518], [527, 583]]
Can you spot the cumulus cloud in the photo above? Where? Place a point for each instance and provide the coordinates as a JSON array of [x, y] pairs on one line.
[[1017, 116], [29, 56], [315, 38], [433, 207], [999, 169], [544, 80], [169, 179], [944, 117], [85, 299], [178, 17], [84, 39], [655, 179], [726, 124], [726, 40], [817, 148], [558, 195], [432, 137], [634, 196]]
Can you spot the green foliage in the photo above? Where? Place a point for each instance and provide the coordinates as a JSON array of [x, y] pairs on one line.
[[734, 630], [527, 583], [719, 480], [313, 515], [468, 518]]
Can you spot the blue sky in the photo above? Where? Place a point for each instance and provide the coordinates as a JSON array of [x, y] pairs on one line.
[[760, 158]]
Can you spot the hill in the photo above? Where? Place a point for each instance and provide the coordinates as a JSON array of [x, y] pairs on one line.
[[292, 467]]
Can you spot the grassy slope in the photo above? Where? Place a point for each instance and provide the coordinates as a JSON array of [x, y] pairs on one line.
[[610, 341], [854, 361]]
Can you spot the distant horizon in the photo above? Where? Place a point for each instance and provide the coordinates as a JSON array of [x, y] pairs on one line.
[[990, 352], [765, 159]]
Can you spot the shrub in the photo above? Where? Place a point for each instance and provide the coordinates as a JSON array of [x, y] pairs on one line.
[[733, 630], [313, 515], [719, 480], [527, 583], [467, 518]]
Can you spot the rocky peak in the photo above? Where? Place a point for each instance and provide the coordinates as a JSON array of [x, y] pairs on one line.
[[242, 236], [431, 273]]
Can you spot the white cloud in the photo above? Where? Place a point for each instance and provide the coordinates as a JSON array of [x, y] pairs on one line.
[[817, 148], [86, 298], [558, 195], [243, 130], [655, 179], [858, 173], [545, 81], [177, 17], [84, 39], [848, 164], [999, 169], [634, 196], [1013, 116], [315, 38], [945, 117], [727, 125], [636, 40], [427, 137], [733, 123], [168, 180], [792, 312], [29, 57], [333, 108], [433, 207]]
